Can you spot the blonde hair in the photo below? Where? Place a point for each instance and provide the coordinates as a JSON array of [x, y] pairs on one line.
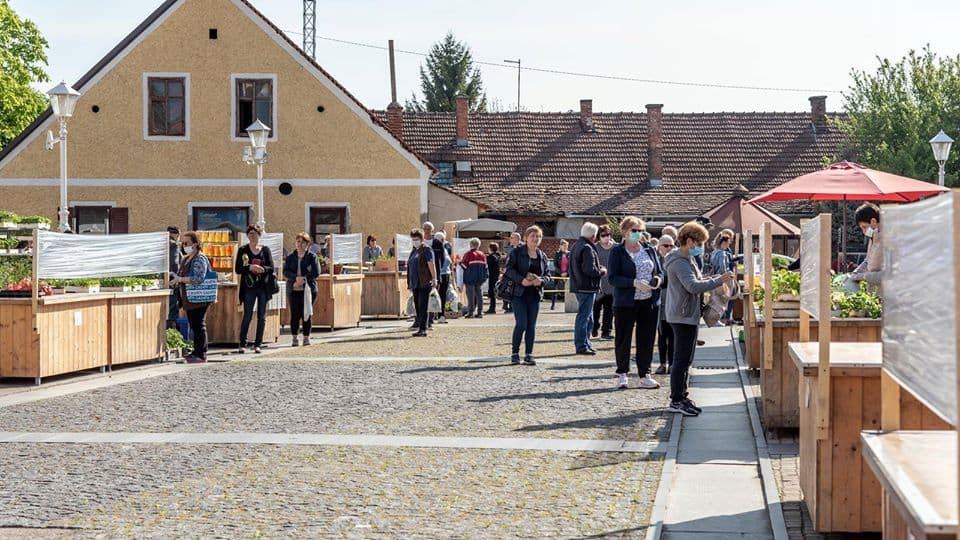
[[305, 237], [692, 230], [532, 229], [630, 222]]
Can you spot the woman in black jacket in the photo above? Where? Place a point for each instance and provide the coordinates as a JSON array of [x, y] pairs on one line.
[[253, 267], [301, 271], [528, 269]]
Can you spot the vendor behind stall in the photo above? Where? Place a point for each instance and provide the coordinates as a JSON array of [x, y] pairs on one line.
[[868, 219]]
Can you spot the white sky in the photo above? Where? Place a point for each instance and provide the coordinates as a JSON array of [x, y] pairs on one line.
[[809, 45]]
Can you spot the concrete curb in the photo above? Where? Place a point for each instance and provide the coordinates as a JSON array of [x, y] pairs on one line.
[[659, 511]]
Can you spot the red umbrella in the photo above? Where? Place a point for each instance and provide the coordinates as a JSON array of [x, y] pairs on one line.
[[848, 181]]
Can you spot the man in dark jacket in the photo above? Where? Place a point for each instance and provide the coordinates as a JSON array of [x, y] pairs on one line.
[[493, 268], [585, 274], [173, 266], [512, 245]]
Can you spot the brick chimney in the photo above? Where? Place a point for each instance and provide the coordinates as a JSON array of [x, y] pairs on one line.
[[586, 115], [818, 111], [394, 110], [655, 144], [463, 109]]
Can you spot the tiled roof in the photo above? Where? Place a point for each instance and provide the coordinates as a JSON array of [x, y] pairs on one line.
[[544, 163]]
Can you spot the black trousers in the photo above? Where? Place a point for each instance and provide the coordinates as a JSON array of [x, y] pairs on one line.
[[442, 288], [685, 345], [296, 315], [492, 293], [604, 303], [254, 296], [638, 322], [665, 343], [421, 300], [197, 318]]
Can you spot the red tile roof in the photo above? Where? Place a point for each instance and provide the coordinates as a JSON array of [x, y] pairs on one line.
[[544, 163]]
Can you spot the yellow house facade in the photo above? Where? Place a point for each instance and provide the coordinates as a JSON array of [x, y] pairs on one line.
[[159, 131]]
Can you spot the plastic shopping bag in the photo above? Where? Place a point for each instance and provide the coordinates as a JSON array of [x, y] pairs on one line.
[[411, 306], [435, 305], [453, 300]]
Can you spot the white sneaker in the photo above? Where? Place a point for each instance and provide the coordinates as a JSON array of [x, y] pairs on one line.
[[295, 342], [649, 383], [306, 341], [622, 381]]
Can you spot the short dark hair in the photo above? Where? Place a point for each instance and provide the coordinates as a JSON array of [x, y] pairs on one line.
[[173, 230], [371, 238], [494, 247], [416, 233], [604, 229], [254, 228], [866, 212]]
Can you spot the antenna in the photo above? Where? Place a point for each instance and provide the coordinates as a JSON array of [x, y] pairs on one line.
[[310, 28]]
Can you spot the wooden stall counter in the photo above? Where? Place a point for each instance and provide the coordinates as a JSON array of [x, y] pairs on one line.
[[385, 294], [138, 326], [779, 381], [918, 473], [339, 301], [224, 318], [840, 492]]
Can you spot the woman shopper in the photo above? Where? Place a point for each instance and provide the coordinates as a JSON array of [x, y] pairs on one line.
[[603, 305], [686, 285], [635, 274], [421, 279], [493, 270], [193, 270], [372, 251], [527, 268], [253, 267], [445, 268], [561, 262], [722, 260], [664, 330], [473, 268], [301, 270]]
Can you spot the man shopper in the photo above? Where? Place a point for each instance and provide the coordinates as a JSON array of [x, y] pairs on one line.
[[585, 274], [514, 243], [173, 266], [493, 269]]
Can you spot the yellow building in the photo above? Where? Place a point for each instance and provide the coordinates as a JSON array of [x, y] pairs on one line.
[[158, 136]]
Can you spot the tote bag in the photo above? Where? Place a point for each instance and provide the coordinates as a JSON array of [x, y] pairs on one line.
[[204, 292]]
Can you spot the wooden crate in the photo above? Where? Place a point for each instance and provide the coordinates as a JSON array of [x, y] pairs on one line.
[[779, 385], [385, 294], [138, 326]]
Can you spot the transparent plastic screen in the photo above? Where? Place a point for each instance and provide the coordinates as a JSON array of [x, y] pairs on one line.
[[76, 256], [919, 295], [810, 267], [404, 247], [461, 246], [347, 248], [274, 241]]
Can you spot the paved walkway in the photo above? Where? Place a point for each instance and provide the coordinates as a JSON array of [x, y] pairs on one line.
[[716, 488]]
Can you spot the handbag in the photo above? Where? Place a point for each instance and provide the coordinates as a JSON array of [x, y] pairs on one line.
[[506, 288], [273, 287], [204, 292]]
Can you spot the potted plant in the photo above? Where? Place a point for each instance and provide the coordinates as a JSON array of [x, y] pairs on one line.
[[9, 245], [88, 286], [384, 263], [176, 345], [34, 222], [8, 220], [116, 284]]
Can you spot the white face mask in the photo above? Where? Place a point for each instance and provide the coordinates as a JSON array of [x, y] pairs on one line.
[[188, 249], [417, 243], [870, 232]]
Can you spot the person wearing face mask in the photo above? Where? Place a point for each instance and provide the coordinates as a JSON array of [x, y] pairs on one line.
[[421, 279], [685, 287], [635, 274], [870, 270], [603, 305], [174, 267], [193, 270], [664, 330]]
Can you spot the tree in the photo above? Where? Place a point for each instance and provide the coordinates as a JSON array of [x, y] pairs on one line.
[[449, 73], [894, 112], [22, 57]]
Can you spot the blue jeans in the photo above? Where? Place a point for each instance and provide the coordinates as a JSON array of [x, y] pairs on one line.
[[728, 313], [526, 308], [584, 322]]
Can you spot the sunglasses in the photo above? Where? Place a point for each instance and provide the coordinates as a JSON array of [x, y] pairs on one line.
[[604, 235], [637, 230]]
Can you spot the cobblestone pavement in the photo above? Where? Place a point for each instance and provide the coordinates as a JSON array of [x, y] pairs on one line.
[[245, 492]]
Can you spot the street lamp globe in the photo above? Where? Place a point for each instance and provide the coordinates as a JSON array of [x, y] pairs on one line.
[[258, 133], [63, 100], [941, 146]]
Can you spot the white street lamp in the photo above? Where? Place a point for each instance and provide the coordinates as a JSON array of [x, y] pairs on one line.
[[257, 153], [941, 150], [63, 100]]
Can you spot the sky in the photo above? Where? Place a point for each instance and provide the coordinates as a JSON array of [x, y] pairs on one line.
[[810, 46]]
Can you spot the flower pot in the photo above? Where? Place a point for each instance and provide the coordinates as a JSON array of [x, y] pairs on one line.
[[125, 288], [384, 266], [91, 289]]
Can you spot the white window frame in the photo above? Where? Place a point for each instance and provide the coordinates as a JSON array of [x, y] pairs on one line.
[[310, 205], [95, 204], [274, 132], [186, 107]]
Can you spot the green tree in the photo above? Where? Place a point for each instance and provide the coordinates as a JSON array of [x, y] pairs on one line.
[[893, 112], [22, 57], [449, 73]]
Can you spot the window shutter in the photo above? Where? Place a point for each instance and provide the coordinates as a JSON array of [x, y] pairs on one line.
[[119, 220]]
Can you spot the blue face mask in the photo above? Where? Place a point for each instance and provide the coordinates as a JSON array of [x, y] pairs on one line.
[[635, 236], [696, 251]]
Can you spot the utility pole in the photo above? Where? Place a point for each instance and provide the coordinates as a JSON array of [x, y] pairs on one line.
[[517, 62], [310, 28]]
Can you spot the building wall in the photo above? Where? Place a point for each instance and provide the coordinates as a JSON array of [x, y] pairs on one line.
[[446, 206]]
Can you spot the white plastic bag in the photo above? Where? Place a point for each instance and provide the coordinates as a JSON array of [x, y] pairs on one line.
[[435, 305], [453, 299], [411, 306]]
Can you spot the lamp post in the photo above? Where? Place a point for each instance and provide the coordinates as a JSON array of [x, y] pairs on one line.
[[941, 150], [257, 153], [63, 100]]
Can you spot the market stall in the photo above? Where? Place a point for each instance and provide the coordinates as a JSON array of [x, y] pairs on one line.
[[224, 317], [385, 292], [918, 470], [339, 296], [838, 396], [751, 332], [46, 334]]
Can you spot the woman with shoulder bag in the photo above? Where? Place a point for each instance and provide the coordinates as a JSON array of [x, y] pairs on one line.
[[253, 267], [635, 274], [194, 268], [301, 271], [527, 268]]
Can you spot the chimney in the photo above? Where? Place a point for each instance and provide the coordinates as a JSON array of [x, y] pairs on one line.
[[394, 110], [655, 144], [463, 109], [818, 111], [586, 115]]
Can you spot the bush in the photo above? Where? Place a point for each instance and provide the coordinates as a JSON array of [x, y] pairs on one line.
[[175, 340]]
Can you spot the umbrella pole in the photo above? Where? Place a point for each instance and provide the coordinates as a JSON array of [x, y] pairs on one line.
[[842, 263]]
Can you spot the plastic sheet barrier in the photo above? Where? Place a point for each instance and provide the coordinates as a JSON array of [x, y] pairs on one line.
[[404, 247], [347, 248], [810, 267], [76, 256], [919, 340], [274, 241], [461, 246]]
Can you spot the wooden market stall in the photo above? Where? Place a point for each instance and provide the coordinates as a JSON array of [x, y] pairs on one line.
[[918, 470], [751, 331], [385, 292], [779, 378], [51, 335], [340, 296]]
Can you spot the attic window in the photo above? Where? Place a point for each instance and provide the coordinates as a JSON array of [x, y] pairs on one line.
[[213, 33], [656, 182], [445, 174]]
